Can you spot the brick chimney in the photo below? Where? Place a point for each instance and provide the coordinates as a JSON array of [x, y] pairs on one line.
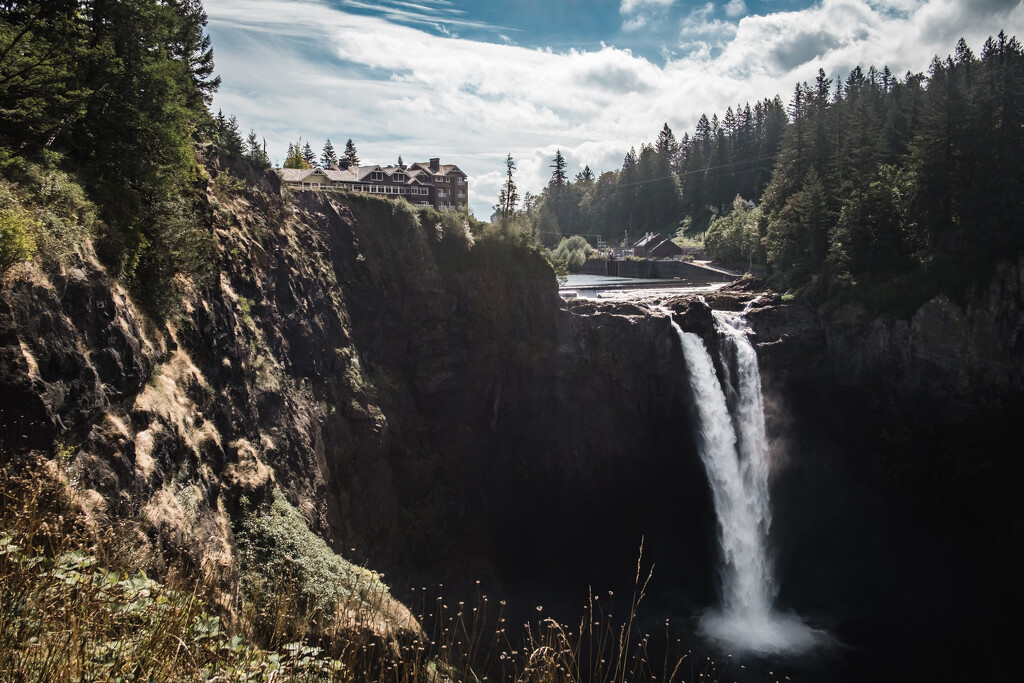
[[435, 165]]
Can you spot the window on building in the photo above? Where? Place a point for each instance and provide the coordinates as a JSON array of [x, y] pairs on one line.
[[400, 177], [377, 175]]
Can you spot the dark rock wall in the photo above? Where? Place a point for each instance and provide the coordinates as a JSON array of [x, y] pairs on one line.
[[897, 518], [434, 412]]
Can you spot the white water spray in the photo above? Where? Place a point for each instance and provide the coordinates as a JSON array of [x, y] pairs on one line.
[[733, 447]]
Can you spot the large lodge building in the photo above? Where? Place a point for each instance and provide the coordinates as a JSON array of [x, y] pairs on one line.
[[443, 186]]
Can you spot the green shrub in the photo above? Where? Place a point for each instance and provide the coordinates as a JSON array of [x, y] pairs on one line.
[[513, 230], [732, 239], [574, 251], [454, 228], [291, 579], [68, 615], [64, 217], [17, 242], [561, 270]]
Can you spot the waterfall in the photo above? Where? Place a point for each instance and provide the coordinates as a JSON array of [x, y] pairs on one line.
[[733, 446]]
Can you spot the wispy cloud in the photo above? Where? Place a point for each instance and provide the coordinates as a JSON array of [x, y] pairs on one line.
[[423, 13], [630, 6], [700, 31], [637, 14], [310, 69]]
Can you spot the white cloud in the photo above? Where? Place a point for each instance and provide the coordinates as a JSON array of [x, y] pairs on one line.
[[635, 23], [305, 69], [639, 13], [735, 8], [700, 32], [630, 6]]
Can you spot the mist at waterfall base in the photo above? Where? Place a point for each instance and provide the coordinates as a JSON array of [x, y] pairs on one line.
[[733, 446]]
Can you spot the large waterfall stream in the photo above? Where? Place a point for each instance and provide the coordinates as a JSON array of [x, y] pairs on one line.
[[733, 447]]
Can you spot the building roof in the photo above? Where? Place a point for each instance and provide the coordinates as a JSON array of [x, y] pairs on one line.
[[648, 240], [297, 175], [665, 244], [415, 173], [442, 169]]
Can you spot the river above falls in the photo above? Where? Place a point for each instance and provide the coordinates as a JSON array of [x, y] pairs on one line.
[[607, 288]]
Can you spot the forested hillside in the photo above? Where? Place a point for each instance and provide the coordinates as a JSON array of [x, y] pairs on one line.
[[892, 190], [665, 182], [881, 188]]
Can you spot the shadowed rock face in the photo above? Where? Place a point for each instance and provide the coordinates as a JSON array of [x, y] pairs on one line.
[[439, 411], [895, 444]]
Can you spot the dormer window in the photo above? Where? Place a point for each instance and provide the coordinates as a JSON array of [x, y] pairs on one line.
[[377, 175], [440, 179], [400, 178]]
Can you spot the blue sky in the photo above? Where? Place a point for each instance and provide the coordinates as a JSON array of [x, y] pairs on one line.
[[649, 28], [473, 81]]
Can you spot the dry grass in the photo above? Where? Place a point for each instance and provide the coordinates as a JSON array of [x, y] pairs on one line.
[[77, 605]]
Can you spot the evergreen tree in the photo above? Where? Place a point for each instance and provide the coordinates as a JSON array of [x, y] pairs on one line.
[[558, 177], [350, 153], [529, 203], [874, 234], [585, 176], [190, 44], [508, 196], [256, 153], [328, 157], [43, 45], [308, 155], [226, 135], [295, 158], [667, 146]]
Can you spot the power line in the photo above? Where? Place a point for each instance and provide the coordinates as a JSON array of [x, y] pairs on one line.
[[698, 170]]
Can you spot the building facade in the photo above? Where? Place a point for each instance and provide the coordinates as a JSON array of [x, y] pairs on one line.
[[442, 186]]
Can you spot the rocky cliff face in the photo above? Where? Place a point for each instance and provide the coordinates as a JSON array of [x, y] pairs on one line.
[[959, 353], [430, 409], [895, 442]]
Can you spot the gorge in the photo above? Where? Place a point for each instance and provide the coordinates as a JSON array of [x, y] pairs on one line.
[[434, 411]]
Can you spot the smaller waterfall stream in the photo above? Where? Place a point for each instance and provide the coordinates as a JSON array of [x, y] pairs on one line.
[[733, 447]]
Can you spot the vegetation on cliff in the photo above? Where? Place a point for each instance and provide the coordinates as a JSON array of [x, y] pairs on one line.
[[115, 94]]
